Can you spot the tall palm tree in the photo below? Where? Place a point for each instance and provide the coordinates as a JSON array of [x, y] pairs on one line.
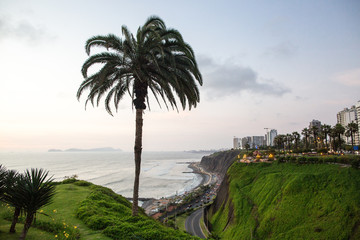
[[279, 141], [306, 133], [289, 138], [315, 132], [157, 59], [296, 137], [339, 130], [352, 128], [332, 136], [326, 129], [36, 191]]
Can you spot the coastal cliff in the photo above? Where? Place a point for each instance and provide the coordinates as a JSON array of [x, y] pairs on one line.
[[219, 162], [287, 201]]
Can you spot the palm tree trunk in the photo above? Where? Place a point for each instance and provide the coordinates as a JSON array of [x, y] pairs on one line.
[[15, 219], [27, 225], [137, 153], [326, 142]]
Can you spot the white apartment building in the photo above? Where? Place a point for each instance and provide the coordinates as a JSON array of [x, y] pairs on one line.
[[269, 137], [347, 116], [236, 143], [357, 107]]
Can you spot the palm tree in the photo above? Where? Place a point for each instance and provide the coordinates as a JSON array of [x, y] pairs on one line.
[[11, 197], [332, 136], [306, 133], [352, 128], [289, 138], [157, 59], [315, 132], [326, 129], [35, 191], [296, 137], [279, 141], [339, 130]]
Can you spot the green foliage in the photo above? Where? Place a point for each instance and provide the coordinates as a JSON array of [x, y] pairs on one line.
[[82, 183], [291, 201], [60, 229], [70, 179], [104, 210]]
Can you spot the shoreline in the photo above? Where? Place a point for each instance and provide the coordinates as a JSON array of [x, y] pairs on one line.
[[153, 206]]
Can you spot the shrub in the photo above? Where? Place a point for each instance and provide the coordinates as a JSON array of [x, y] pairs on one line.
[[100, 222], [82, 183], [123, 231], [355, 163]]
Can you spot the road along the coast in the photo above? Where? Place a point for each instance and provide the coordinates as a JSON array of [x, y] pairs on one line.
[[192, 224]]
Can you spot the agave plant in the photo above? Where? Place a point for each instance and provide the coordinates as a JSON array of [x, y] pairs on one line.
[[2, 180], [34, 192], [11, 197]]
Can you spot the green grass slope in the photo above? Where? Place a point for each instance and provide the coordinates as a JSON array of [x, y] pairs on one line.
[[289, 201], [81, 210]]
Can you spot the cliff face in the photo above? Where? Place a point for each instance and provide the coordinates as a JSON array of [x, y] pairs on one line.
[[287, 201], [219, 162]]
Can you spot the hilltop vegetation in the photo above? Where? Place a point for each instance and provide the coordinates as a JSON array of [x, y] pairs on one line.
[[288, 201], [81, 210]]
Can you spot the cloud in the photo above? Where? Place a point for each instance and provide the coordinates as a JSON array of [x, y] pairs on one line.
[[349, 78], [281, 50], [221, 80], [21, 30]]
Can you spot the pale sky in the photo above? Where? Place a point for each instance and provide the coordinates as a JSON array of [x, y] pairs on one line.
[[265, 64]]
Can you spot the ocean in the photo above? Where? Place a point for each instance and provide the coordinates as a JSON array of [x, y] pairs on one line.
[[162, 173]]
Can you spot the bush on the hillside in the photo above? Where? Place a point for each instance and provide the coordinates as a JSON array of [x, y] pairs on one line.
[[124, 231], [69, 180], [97, 222], [62, 230], [107, 211], [82, 183]]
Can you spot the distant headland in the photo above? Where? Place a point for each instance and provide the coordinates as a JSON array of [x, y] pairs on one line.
[[104, 149]]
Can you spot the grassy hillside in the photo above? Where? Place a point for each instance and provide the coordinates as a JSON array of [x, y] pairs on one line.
[[81, 210], [289, 201]]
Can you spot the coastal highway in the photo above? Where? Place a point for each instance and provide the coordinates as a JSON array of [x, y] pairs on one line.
[[192, 224]]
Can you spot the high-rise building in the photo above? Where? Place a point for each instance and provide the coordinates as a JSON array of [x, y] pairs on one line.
[[357, 107], [315, 123], [270, 137], [349, 115], [236, 143], [257, 141]]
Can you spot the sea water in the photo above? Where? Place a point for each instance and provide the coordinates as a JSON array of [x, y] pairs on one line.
[[162, 173]]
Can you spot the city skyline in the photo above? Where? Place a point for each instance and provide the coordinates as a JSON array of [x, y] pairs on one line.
[[264, 64]]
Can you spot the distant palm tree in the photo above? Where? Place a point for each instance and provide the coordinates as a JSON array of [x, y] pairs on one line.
[[289, 138], [306, 133], [325, 129], [338, 131], [296, 137], [157, 59], [35, 191], [11, 197], [352, 129], [280, 141], [315, 132]]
